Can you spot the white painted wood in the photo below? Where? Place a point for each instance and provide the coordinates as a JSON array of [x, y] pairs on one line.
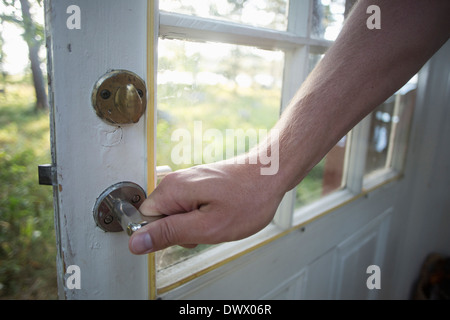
[[364, 248], [262, 272], [424, 213], [298, 17], [295, 72], [90, 155], [180, 26], [357, 153], [316, 287], [292, 288]]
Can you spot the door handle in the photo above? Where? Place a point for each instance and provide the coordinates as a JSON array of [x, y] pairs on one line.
[[117, 208]]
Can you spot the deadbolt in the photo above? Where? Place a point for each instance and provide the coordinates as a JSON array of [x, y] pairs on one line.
[[117, 208], [120, 97]]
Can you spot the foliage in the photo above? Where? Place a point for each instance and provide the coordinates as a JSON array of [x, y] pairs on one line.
[[27, 241]]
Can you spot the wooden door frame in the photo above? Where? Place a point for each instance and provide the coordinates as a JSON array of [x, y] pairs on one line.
[[87, 153]]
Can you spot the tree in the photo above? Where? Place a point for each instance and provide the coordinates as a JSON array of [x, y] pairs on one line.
[[33, 36]]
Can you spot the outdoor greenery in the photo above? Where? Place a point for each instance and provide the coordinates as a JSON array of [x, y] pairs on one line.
[[27, 237], [222, 103]]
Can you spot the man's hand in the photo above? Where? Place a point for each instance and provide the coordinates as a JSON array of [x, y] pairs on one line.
[[207, 204]]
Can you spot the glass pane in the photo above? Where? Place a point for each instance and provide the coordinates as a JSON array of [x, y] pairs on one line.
[[209, 96], [314, 59], [326, 177], [259, 13], [389, 129], [380, 130], [328, 17]]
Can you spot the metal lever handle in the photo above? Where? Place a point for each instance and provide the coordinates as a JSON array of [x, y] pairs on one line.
[[117, 209], [129, 217]]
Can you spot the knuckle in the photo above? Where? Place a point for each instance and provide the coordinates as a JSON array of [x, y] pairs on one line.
[[170, 178]]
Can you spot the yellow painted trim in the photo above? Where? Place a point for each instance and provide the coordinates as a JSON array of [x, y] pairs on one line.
[[151, 138], [219, 264]]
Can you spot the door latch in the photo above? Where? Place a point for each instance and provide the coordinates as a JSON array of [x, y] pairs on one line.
[[46, 174], [117, 209], [120, 97]]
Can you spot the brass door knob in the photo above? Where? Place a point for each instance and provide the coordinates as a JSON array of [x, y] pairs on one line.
[[120, 97]]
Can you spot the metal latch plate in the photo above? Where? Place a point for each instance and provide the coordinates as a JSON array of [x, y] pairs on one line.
[[127, 191], [46, 173]]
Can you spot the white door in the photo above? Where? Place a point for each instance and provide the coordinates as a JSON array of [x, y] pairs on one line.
[[86, 41], [347, 216]]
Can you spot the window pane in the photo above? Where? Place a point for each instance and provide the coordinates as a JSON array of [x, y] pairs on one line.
[[326, 177], [259, 13], [314, 59], [328, 17], [389, 130], [380, 131], [207, 94]]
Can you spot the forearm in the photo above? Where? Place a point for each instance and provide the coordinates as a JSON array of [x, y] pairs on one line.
[[361, 70]]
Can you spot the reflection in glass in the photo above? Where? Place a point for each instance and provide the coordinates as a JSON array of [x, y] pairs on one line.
[[380, 132], [258, 13], [328, 17], [389, 130]]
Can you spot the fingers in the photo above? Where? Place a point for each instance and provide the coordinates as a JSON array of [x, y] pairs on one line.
[[182, 224], [174, 195], [203, 205]]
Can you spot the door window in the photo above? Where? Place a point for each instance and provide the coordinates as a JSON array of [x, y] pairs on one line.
[[227, 66], [259, 13]]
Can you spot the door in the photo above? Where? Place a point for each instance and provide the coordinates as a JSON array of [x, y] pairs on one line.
[[85, 41], [329, 234]]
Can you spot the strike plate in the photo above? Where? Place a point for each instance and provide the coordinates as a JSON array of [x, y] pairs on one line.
[[127, 191]]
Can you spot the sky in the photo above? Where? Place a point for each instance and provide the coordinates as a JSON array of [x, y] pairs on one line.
[[16, 50], [15, 47]]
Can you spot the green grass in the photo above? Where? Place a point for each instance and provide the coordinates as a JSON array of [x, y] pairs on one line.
[[27, 238], [217, 107], [310, 189]]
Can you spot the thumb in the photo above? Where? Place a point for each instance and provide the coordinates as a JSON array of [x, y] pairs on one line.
[[178, 229]]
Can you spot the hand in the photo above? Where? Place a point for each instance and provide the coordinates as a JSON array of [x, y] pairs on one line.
[[207, 204]]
